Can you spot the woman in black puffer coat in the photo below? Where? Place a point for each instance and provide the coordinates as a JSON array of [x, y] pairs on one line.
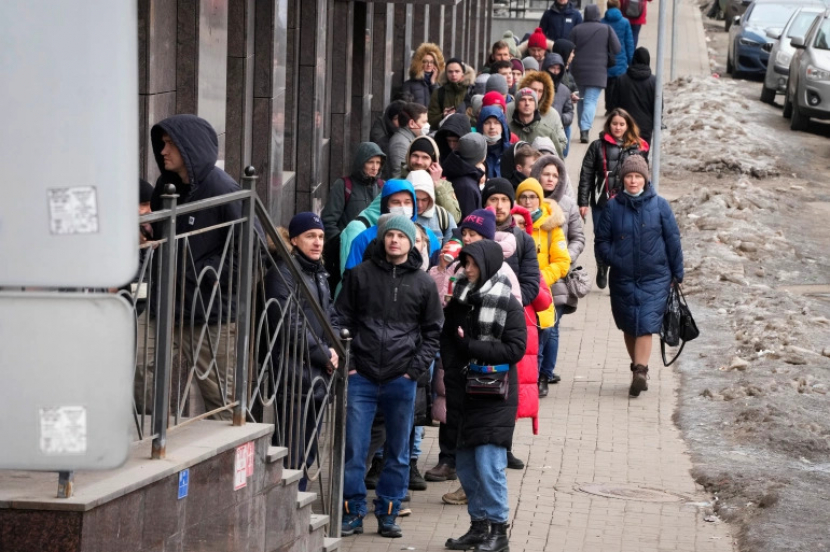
[[599, 178], [483, 324]]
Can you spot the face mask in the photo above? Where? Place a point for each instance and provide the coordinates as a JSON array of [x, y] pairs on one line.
[[491, 139], [405, 210], [638, 194], [425, 129]]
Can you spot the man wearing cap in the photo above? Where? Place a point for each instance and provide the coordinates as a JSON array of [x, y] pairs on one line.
[[394, 313], [313, 358], [423, 155], [461, 168], [527, 123]]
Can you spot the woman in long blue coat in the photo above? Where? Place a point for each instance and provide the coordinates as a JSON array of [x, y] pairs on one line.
[[638, 238]]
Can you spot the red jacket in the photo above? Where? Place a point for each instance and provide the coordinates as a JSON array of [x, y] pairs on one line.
[[528, 367], [638, 20]]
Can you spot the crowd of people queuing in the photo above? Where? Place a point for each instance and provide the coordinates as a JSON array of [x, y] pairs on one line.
[[447, 248]]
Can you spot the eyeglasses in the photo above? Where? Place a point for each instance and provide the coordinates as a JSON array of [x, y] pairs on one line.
[[427, 62], [528, 197]]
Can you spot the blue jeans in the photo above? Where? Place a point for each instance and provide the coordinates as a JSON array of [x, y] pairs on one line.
[[635, 30], [587, 106], [568, 143], [549, 346], [396, 399], [481, 472]]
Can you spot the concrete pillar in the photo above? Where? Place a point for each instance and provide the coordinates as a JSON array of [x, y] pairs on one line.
[[361, 120], [342, 81], [419, 24], [240, 99], [402, 43], [382, 35], [436, 26]]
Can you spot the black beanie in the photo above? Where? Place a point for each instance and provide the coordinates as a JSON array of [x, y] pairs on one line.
[[498, 186], [145, 191], [423, 144], [456, 60]]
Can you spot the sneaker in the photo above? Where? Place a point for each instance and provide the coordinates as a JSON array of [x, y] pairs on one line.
[[441, 472], [352, 524], [416, 481], [602, 276], [514, 463], [639, 380], [543, 387], [404, 512], [388, 528], [554, 379], [457, 497], [373, 475]]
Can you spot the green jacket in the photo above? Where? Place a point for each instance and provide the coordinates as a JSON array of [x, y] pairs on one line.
[[449, 94]]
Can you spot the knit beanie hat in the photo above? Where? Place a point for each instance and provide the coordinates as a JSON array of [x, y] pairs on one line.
[[510, 39], [517, 65], [498, 186], [494, 98], [472, 148], [544, 144], [530, 64], [538, 39], [402, 224], [303, 222], [531, 185], [481, 83], [497, 83], [634, 164], [145, 191], [527, 92], [423, 144], [641, 56], [482, 221]]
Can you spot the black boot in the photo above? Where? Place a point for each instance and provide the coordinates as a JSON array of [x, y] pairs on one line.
[[639, 378], [602, 276], [479, 531], [373, 475], [514, 463], [496, 541], [543, 386], [416, 480], [583, 136]]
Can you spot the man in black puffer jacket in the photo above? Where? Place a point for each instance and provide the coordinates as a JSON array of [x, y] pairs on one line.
[[186, 149], [393, 311], [637, 91]]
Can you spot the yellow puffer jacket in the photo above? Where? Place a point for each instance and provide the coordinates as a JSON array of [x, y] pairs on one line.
[[552, 251]]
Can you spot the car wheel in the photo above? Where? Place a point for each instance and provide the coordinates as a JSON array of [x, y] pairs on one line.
[[799, 120], [727, 22], [729, 66], [767, 94], [788, 105]]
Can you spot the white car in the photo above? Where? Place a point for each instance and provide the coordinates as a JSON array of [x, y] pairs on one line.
[[778, 68], [808, 88]]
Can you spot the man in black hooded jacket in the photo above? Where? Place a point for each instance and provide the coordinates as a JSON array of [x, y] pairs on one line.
[[186, 148], [636, 92]]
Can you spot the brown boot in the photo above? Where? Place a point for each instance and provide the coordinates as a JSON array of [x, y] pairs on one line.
[[632, 365], [457, 498], [441, 472], [639, 380]]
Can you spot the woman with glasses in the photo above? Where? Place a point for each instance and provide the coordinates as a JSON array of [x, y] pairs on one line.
[[548, 220], [427, 64]]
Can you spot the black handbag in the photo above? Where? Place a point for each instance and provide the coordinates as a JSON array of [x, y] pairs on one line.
[[483, 386], [678, 325]]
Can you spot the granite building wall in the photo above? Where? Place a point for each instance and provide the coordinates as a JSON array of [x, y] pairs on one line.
[[291, 86]]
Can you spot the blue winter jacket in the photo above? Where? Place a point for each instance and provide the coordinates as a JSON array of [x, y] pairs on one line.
[[557, 22], [622, 28], [639, 239], [359, 244], [495, 151]]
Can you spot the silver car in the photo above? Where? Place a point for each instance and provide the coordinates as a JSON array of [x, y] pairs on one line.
[[775, 81], [808, 89]]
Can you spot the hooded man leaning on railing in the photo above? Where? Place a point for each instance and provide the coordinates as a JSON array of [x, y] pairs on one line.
[[301, 358], [186, 149]]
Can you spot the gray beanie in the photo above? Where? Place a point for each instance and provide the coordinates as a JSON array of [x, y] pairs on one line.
[[481, 83], [496, 83], [526, 91], [402, 224], [472, 148], [544, 144], [530, 64]]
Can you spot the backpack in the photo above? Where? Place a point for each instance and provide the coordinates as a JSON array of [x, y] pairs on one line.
[[634, 9], [347, 190], [443, 219]]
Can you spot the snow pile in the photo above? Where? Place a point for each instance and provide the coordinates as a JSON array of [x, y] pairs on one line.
[[713, 128]]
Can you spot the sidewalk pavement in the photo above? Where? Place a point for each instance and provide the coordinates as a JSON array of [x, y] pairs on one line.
[[591, 432]]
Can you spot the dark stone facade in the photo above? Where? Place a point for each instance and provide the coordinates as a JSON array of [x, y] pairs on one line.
[[292, 86]]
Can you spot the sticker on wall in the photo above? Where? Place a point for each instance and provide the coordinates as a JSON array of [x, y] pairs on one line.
[[63, 430], [73, 210], [240, 474], [184, 482], [249, 469]]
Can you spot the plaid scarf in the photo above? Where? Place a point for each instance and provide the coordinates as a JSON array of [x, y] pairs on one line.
[[492, 299]]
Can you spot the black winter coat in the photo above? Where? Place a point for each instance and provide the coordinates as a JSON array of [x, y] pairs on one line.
[[199, 148], [464, 179], [395, 317], [636, 93], [593, 42], [310, 340], [604, 154], [481, 421], [420, 89]]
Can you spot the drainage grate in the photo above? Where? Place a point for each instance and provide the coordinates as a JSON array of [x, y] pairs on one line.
[[627, 492]]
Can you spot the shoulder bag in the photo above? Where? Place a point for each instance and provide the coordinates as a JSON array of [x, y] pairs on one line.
[[678, 324]]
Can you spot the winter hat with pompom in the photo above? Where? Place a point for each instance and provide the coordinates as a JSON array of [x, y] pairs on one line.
[[538, 39]]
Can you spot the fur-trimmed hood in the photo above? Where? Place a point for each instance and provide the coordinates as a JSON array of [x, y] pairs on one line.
[[547, 96], [416, 69], [468, 80], [553, 215], [561, 186]]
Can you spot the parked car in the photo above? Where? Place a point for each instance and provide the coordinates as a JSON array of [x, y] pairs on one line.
[[808, 89], [732, 9], [749, 46], [775, 81]]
